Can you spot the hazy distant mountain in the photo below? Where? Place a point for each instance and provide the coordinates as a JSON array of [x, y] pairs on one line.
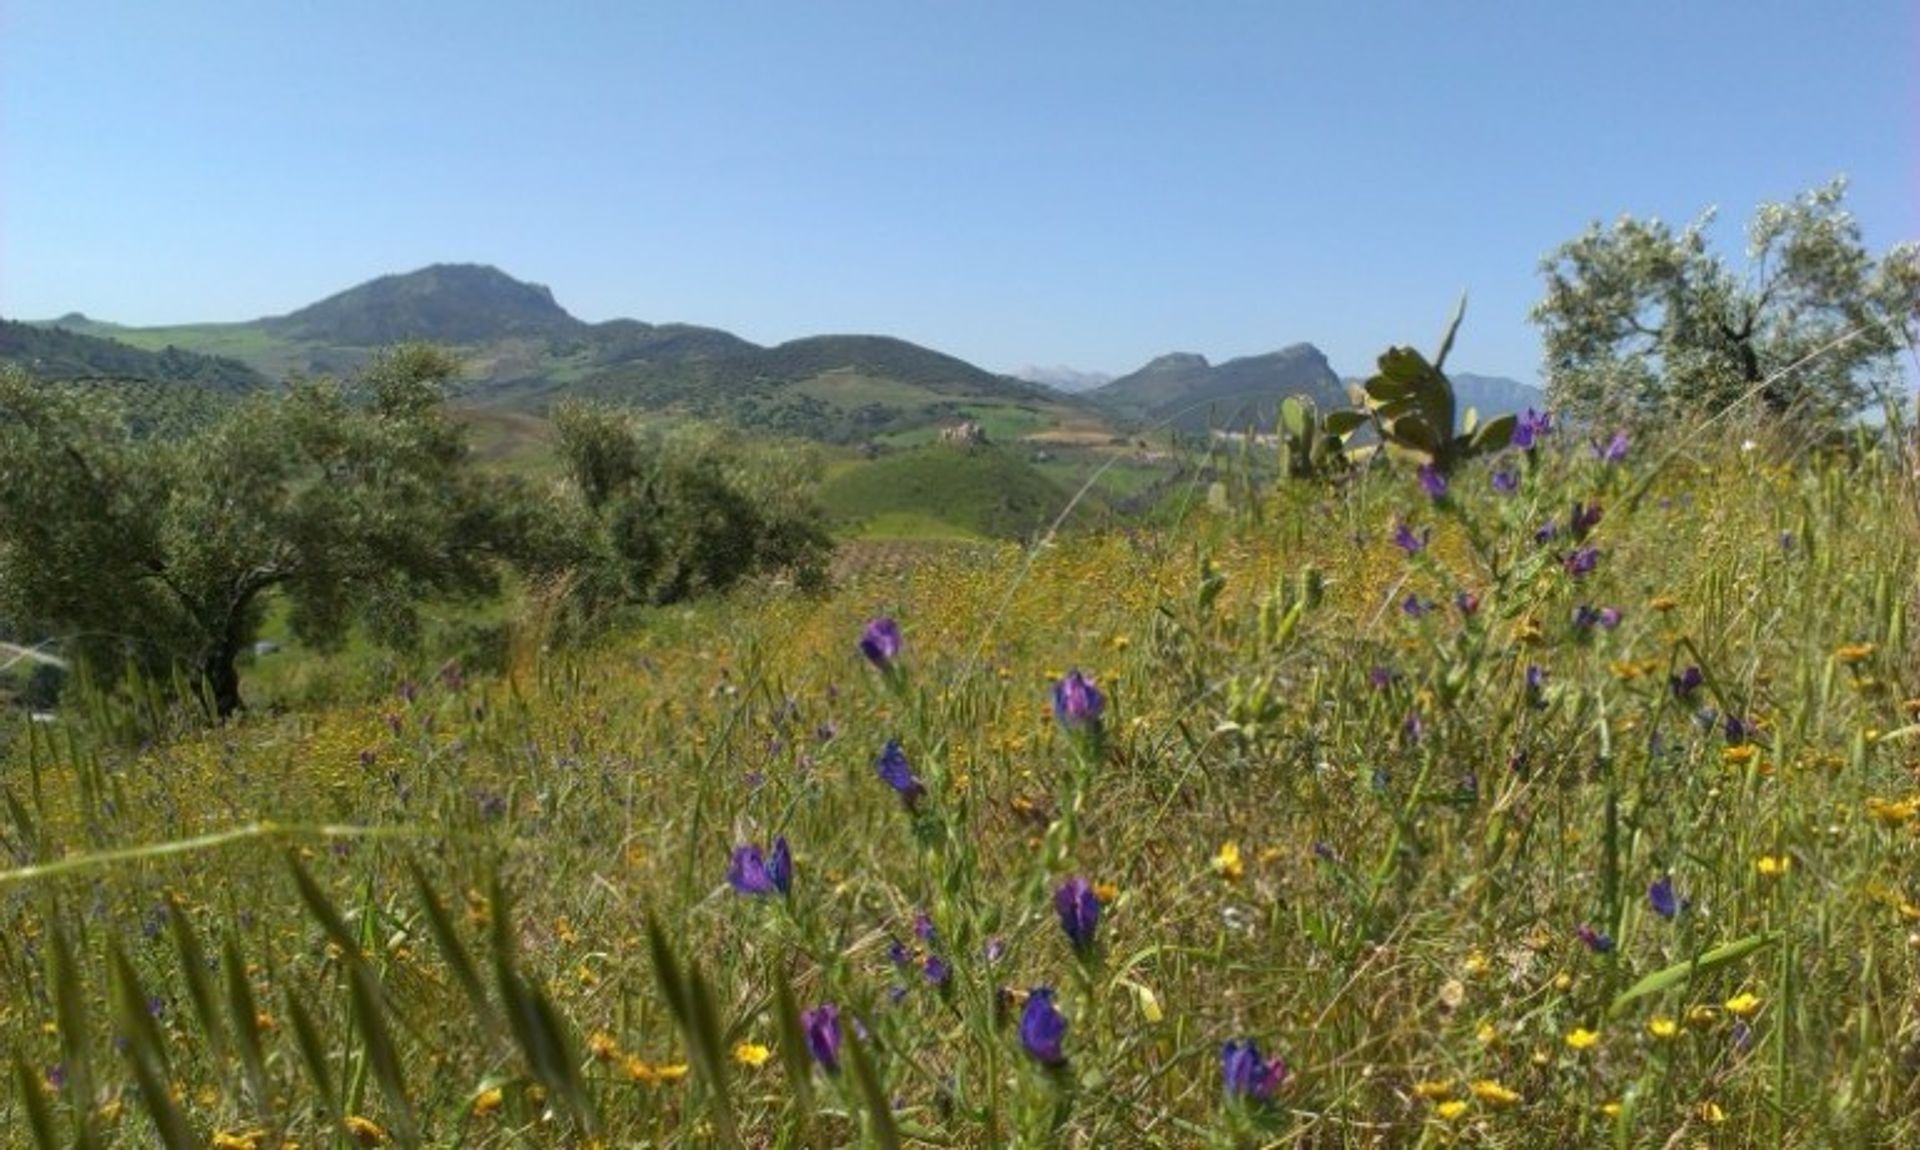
[[1495, 394], [1188, 392], [1065, 379]]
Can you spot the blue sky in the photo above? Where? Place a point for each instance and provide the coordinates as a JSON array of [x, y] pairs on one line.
[[1084, 184]]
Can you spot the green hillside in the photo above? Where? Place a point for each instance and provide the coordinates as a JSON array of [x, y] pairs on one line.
[[53, 353], [525, 352], [964, 491]]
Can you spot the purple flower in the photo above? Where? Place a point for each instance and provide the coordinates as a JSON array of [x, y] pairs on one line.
[[751, 873], [1077, 702], [1432, 482], [880, 642], [1742, 1036], [1599, 942], [1506, 482], [1406, 540], [996, 949], [1414, 607], [1737, 729], [1536, 677], [936, 970], [1413, 729], [1586, 516], [1079, 910], [1661, 896], [1468, 602], [923, 927], [1686, 682], [1380, 678], [1582, 561], [1043, 1028], [898, 954], [1530, 427], [1614, 451], [1246, 1075], [1610, 617], [821, 1026], [898, 774], [1585, 616], [1547, 532]]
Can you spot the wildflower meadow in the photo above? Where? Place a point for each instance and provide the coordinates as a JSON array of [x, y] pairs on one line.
[[1562, 797]]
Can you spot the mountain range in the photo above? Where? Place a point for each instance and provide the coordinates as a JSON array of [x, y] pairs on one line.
[[524, 351]]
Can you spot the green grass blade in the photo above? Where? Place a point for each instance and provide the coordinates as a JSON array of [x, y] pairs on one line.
[[148, 1056], [698, 1028], [70, 1011], [193, 965], [369, 1013], [313, 1055], [1681, 972], [886, 1131], [454, 953], [246, 1028], [533, 1022], [39, 1118], [793, 1050]]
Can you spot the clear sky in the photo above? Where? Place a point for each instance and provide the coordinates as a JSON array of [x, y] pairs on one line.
[[1054, 183]]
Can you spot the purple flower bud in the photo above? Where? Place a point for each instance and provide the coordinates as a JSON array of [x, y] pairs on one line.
[[1079, 910], [1043, 1029], [1582, 561], [1406, 540], [751, 873], [1661, 896], [1077, 702], [1598, 942], [1686, 682], [1380, 678], [1248, 1077], [821, 1026], [1547, 532], [936, 970], [1530, 427], [898, 774], [1505, 482], [1414, 607], [1468, 602], [1585, 518], [1585, 617], [1615, 450], [1610, 617], [996, 949], [880, 642], [1432, 482], [898, 954]]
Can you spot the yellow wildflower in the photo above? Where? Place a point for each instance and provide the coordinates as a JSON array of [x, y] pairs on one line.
[[1702, 1015], [1610, 1109], [1580, 1038], [1106, 892], [1739, 756], [365, 1131], [1488, 1034], [1773, 866], [751, 1054], [1227, 863], [488, 1100], [1743, 1004], [1710, 1113], [1662, 603], [1448, 1111], [1492, 1093], [1434, 1090], [1663, 1027], [603, 1046], [1893, 813], [1854, 653], [1476, 965], [231, 1140]]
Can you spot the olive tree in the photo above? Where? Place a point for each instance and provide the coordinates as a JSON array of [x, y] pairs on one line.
[[1640, 320], [355, 502]]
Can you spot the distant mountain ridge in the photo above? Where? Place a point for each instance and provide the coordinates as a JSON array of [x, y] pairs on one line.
[[1062, 378], [442, 303], [1186, 391]]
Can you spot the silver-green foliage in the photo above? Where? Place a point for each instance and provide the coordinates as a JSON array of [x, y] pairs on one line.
[[1640, 320], [352, 501]]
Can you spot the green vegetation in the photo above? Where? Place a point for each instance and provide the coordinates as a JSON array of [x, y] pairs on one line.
[[985, 492], [1618, 850], [54, 353], [1641, 322]]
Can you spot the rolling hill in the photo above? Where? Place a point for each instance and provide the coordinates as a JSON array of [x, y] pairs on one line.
[[55, 353], [525, 352]]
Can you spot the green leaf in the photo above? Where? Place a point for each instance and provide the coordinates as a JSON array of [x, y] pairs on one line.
[[885, 1130], [27, 1085], [1682, 972], [246, 1027], [1494, 434], [1344, 422], [1453, 329]]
